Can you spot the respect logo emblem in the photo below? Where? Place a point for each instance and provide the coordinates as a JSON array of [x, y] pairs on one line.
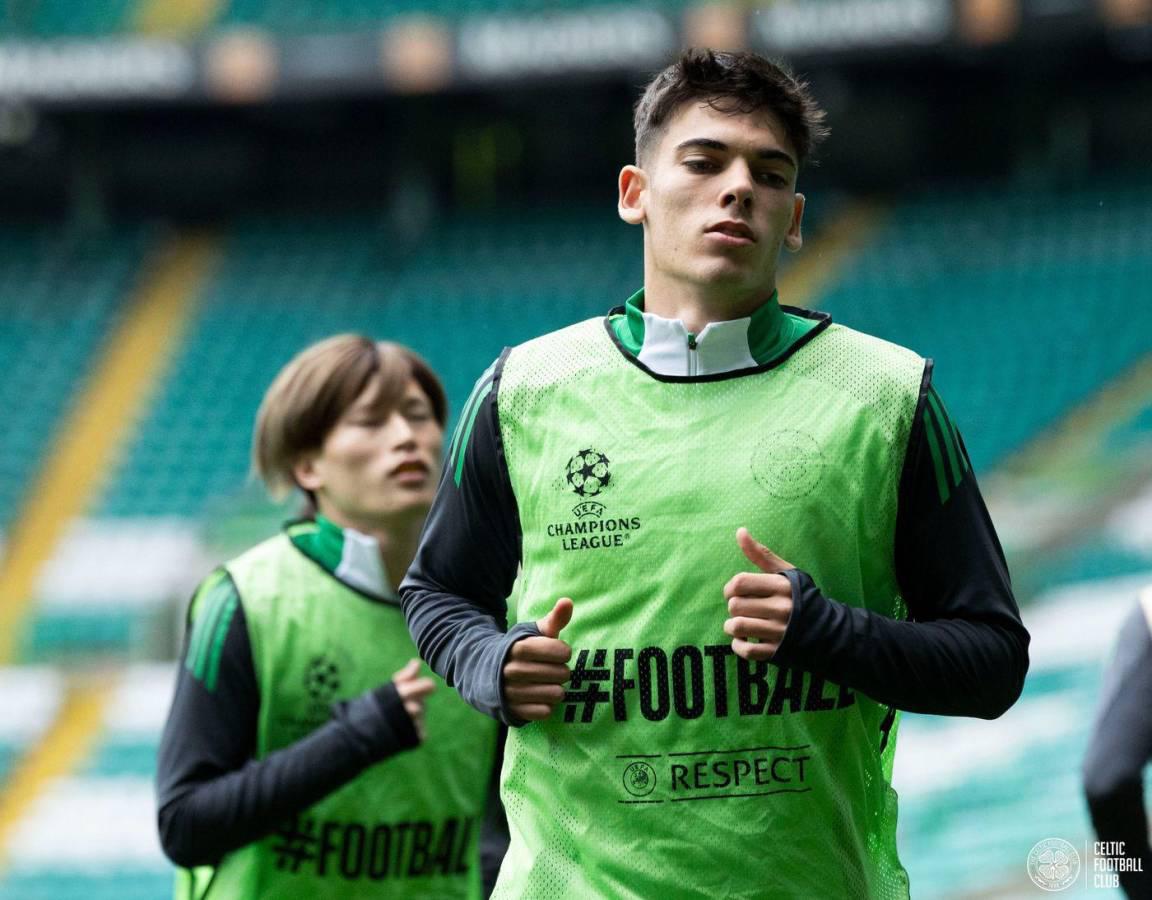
[[1053, 864]]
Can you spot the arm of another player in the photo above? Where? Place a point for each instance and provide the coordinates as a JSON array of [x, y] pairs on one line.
[[964, 650], [1119, 750], [455, 593], [212, 796]]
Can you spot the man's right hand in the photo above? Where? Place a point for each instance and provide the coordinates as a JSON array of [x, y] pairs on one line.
[[537, 667]]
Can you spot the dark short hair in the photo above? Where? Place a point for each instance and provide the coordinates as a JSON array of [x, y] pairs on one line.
[[311, 393], [733, 83]]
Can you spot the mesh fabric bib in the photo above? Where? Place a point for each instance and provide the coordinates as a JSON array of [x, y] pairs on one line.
[[673, 768], [406, 827]]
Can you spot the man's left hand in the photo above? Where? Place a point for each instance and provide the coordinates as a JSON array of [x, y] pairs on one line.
[[759, 604]]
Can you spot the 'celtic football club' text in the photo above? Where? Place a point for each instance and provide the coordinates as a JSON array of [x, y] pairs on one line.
[[690, 682]]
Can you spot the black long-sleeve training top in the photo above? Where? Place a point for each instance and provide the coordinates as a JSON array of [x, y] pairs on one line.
[[214, 797]]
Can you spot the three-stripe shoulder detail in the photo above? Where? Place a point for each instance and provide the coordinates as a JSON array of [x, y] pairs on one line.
[[467, 423], [949, 459], [212, 612]]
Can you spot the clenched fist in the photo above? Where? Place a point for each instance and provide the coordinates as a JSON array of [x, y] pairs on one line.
[[537, 667], [759, 603]]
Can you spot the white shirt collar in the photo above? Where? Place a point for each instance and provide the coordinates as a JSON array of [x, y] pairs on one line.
[[361, 565], [720, 347]]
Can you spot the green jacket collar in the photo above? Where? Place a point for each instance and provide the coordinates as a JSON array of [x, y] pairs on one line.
[[348, 555], [667, 347]]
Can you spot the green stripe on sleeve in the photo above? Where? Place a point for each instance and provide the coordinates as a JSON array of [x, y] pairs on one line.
[[205, 609], [937, 459], [963, 452], [212, 673], [947, 436], [205, 625], [466, 412], [209, 628], [459, 473], [954, 432]]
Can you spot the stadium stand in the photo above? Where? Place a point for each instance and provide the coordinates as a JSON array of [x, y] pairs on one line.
[[32, 696], [65, 18], [284, 283], [62, 291], [1024, 298], [1033, 291], [91, 834], [101, 592], [285, 16]]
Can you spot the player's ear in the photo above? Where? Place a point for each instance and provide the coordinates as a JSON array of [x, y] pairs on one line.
[[633, 184], [307, 472], [794, 239]]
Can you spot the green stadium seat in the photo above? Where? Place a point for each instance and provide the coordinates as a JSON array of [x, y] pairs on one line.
[[1028, 302], [60, 294], [92, 834]]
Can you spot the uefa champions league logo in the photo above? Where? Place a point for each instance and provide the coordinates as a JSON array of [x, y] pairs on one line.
[[1053, 864], [322, 679], [588, 472]]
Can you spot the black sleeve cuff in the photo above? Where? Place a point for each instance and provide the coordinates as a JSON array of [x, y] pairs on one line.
[[806, 602], [517, 633], [378, 722]]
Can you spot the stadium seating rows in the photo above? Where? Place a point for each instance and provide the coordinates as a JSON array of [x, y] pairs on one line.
[[61, 292], [32, 696], [299, 15], [457, 299], [56, 18], [1019, 296], [1027, 300], [91, 834], [1024, 299]]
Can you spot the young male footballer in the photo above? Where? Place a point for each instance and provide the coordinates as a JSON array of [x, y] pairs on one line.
[[290, 764], [733, 540]]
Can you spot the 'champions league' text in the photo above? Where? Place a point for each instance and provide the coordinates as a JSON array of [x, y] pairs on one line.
[[593, 533]]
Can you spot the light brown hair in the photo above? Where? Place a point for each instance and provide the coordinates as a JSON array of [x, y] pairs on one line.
[[311, 393], [733, 83]]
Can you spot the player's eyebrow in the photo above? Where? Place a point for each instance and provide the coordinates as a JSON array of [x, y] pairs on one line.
[[713, 144]]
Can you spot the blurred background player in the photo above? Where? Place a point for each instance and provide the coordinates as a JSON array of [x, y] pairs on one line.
[[287, 767], [1119, 751]]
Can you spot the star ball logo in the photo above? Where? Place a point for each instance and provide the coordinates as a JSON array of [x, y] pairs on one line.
[[1053, 864], [322, 679], [588, 472]]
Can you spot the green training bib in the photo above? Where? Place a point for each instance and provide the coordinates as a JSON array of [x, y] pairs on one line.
[[407, 827], [674, 769]]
